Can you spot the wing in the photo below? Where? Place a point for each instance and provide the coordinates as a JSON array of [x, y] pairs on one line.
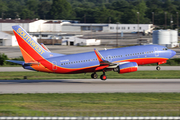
[[102, 61], [120, 67]]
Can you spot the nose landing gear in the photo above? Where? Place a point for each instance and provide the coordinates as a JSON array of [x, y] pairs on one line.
[[158, 68]]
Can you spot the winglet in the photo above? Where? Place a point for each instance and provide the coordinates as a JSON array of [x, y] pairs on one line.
[[45, 47], [99, 56]]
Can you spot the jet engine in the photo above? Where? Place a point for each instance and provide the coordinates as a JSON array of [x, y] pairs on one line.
[[127, 67]]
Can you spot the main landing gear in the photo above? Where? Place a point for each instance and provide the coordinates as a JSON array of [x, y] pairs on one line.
[[94, 76], [103, 76]]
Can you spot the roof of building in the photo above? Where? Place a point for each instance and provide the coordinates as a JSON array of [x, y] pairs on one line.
[[53, 22], [15, 21], [9, 32]]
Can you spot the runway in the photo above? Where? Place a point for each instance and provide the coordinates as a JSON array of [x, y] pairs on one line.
[[90, 86]]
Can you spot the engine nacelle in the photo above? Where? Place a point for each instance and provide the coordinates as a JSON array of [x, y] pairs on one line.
[[127, 67]]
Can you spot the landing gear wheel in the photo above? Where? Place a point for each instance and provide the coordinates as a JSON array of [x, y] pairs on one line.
[[94, 76], [158, 68], [103, 77]]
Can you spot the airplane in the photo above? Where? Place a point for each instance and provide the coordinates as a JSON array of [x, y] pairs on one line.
[[121, 60]]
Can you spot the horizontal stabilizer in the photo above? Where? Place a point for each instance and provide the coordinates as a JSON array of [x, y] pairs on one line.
[[23, 63], [17, 62]]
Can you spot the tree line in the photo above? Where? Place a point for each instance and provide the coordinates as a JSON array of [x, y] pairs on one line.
[[158, 12]]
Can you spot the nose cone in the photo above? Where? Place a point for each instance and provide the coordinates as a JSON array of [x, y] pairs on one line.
[[173, 53]]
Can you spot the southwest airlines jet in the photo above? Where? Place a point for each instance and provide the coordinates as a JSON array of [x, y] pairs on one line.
[[121, 60]]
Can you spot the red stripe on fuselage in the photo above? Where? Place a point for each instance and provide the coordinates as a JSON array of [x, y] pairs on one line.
[[144, 61]]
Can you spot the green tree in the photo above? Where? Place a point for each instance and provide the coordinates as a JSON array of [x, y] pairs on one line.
[[3, 59], [43, 9], [13, 9], [85, 15], [130, 17], [121, 5], [32, 6], [170, 7], [61, 9], [26, 14], [141, 8], [107, 15], [3, 8]]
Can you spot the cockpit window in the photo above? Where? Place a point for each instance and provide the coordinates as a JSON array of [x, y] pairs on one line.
[[165, 48]]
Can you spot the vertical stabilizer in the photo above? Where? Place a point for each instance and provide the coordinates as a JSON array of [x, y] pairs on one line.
[[31, 50]]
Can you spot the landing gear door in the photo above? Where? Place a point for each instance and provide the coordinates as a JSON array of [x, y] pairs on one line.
[[156, 52], [54, 66]]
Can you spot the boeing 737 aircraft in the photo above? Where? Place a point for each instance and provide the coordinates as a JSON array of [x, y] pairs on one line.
[[120, 60]]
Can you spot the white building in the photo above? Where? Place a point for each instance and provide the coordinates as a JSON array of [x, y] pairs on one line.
[[67, 25], [28, 25], [9, 39], [54, 28], [79, 40], [129, 28]]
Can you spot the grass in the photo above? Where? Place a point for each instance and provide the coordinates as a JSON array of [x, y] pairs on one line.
[[90, 104], [169, 74]]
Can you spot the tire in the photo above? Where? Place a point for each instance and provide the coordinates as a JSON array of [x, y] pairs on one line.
[[158, 68], [94, 76], [103, 77]]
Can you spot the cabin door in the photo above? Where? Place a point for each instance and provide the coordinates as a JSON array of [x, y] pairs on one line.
[[156, 52], [54, 66]]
